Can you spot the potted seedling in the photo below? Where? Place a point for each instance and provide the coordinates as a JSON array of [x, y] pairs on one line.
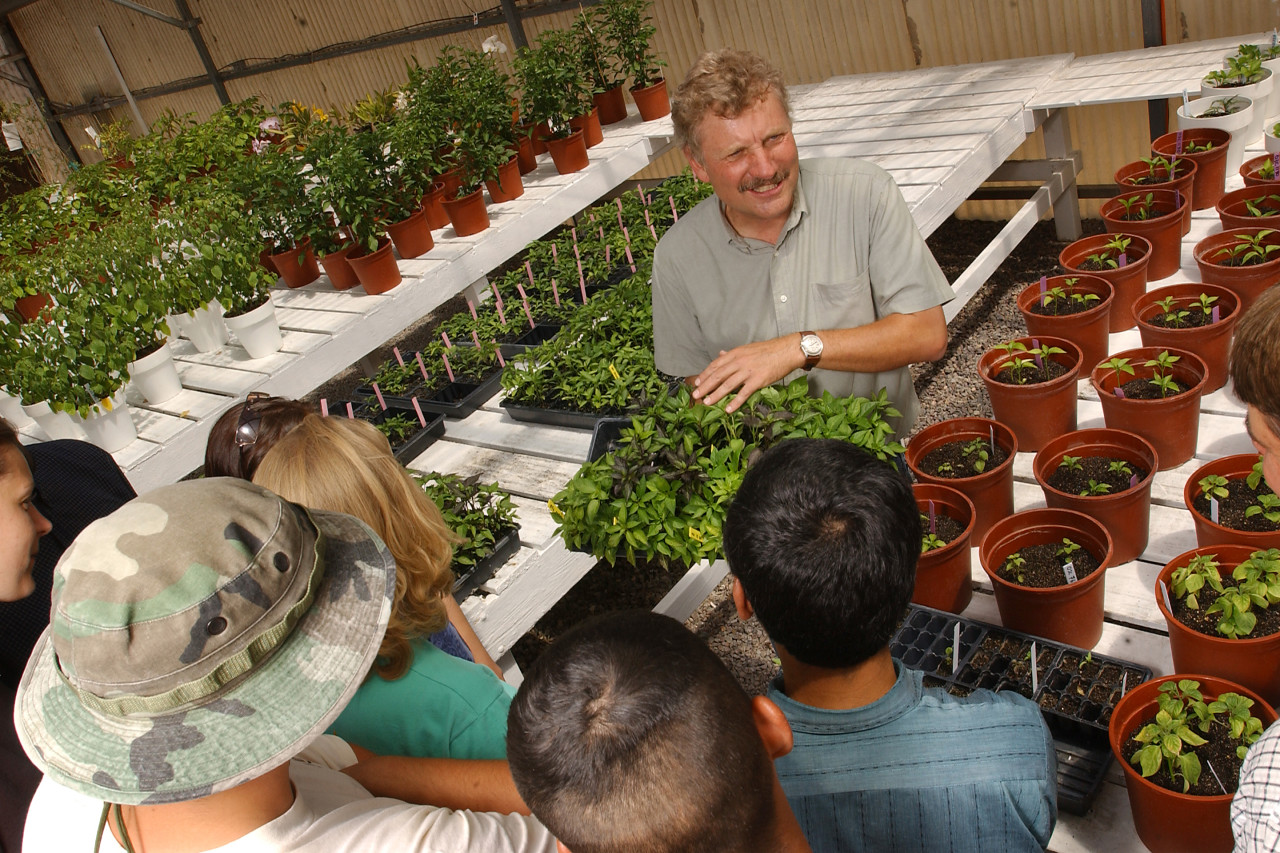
[[1047, 568], [1156, 394], [483, 516], [1242, 76], [602, 65], [972, 455], [1106, 474], [1032, 386], [1198, 318], [1156, 215], [1244, 260], [1177, 173], [1230, 502], [1122, 260], [1232, 113], [1157, 733], [629, 29], [1249, 207], [556, 91], [1076, 307], [1207, 148], [942, 574]]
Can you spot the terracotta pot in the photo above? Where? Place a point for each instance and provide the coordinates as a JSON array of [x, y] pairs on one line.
[[1127, 177], [378, 271], [1163, 229], [612, 104], [1247, 282], [1127, 514], [468, 214], [508, 186], [943, 579], [1233, 208], [1170, 821], [1212, 343], [411, 236], [652, 101], [1251, 171], [569, 154], [991, 491], [1128, 281], [338, 268], [1087, 329], [525, 157], [452, 180], [1211, 165], [1071, 613], [297, 266], [538, 136], [433, 207], [1035, 412], [1209, 532], [29, 307], [589, 124], [1251, 661], [1171, 424]]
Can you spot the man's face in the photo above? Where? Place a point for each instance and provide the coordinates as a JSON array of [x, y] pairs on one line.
[[21, 526], [752, 163], [1267, 443]]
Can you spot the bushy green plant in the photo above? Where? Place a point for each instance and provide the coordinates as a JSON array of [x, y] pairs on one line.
[[478, 513]]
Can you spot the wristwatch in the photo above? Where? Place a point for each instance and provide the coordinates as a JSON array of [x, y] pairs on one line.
[[811, 346]]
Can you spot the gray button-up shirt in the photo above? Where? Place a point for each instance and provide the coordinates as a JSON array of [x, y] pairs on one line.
[[849, 254]]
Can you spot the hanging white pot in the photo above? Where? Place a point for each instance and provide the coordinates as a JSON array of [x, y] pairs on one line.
[[11, 411], [155, 375], [1235, 124], [55, 424], [257, 330], [109, 425], [204, 327]]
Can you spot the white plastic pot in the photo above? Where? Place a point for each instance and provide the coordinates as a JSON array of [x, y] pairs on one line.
[[257, 330], [204, 327], [1236, 124], [1259, 93], [1268, 135], [155, 375], [11, 411], [55, 424], [111, 428]]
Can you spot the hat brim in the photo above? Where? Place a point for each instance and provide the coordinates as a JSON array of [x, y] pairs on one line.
[[251, 726]]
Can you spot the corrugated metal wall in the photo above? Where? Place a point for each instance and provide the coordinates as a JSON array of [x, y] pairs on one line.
[[809, 40]]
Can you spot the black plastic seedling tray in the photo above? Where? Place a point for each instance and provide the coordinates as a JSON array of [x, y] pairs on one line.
[[469, 580], [604, 435], [551, 417], [459, 399], [409, 449], [1075, 689]]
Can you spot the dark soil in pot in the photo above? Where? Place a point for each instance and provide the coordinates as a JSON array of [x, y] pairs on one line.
[[944, 527], [1192, 318], [1143, 389], [958, 459], [1232, 508], [1042, 566], [1219, 752], [1080, 478], [1047, 370], [1206, 622]]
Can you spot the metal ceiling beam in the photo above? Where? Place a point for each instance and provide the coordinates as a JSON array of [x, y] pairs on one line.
[[192, 25], [151, 13]]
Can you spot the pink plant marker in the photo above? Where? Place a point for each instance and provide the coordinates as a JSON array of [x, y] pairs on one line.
[[933, 522], [1214, 314], [573, 232], [448, 368], [993, 441], [444, 336], [1177, 145], [525, 300], [626, 234], [426, 377], [621, 224], [675, 217], [377, 392], [1275, 166], [582, 282], [351, 413], [1044, 288], [324, 407], [422, 419], [1123, 260], [472, 306], [475, 338], [607, 247], [502, 315], [399, 358], [1119, 392], [601, 232], [502, 362], [629, 258], [554, 259], [1133, 481], [555, 292], [1035, 344], [528, 268]]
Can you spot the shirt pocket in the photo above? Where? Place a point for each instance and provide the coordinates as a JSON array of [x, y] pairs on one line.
[[843, 304]]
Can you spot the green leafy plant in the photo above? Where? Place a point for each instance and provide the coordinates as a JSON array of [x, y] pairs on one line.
[[1162, 364], [1068, 294], [1067, 549], [1071, 463], [1267, 505], [1094, 489], [930, 542], [1249, 249], [1138, 207], [1014, 565], [629, 28], [1119, 365], [1167, 741], [1268, 205], [1171, 314], [1255, 475], [478, 513], [1119, 466], [1225, 106], [1214, 486], [397, 427], [978, 454]]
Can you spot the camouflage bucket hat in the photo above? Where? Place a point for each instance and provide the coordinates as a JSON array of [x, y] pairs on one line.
[[201, 635]]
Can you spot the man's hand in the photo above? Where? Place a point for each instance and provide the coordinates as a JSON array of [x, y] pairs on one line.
[[747, 369]]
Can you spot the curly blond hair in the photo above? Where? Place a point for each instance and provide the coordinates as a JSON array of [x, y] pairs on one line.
[[345, 465], [722, 83]]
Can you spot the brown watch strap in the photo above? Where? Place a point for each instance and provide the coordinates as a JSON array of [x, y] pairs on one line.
[[810, 361]]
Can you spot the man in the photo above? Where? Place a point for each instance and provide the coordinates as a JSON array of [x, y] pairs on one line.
[[1255, 374], [790, 266], [202, 636], [630, 736], [822, 540]]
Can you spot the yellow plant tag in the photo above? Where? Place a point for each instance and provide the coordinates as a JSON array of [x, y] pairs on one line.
[[105, 403], [551, 505], [614, 371], [695, 534]]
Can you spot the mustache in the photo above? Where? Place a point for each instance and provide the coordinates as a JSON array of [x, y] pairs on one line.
[[756, 183]]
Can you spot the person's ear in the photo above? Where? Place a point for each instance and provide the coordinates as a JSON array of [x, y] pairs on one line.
[[740, 603], [772, 725], [699, 170]]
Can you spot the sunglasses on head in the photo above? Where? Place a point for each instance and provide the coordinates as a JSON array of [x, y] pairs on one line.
[[250, 419]]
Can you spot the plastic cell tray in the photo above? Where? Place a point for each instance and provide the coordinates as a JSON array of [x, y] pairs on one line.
[[469, 580], [459, 399]]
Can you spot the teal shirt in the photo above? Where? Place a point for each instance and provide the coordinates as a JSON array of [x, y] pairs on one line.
[[443, 707]]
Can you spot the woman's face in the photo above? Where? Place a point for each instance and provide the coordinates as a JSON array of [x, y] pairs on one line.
[[21, 526]]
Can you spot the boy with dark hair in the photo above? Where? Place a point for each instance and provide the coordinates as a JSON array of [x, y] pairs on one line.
[[822, 540], [629, 735]]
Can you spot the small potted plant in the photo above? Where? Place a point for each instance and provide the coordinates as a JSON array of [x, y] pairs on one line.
[[1231, 503], [1244, 260], [943, 578], [1249, 207], [1156, 215], [1242, 76], [1032, 386], [1260, 171], [482, 515], [630, 29], [1219, 606], [1047, 569], [1156, 394], [1232, 113], [1207, 148], [602, 65], [1121, 259], [1156, 732], [972, 455], [1106, 474], [1074, 307], [1177, 173], [1198, 318], [556, 92]]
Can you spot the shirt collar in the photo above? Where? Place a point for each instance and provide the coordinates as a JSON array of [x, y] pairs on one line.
[[905, 695], [799, 206]]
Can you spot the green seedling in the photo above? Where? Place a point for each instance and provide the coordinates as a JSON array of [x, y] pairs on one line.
[[1225, 106], [1267, 505], [1249, 250], [1071, 463], [977, 449], [1188, 580], [1120, 467], [1067, 549], [930, 542], [1162, 364], [1170, 315], [1094, 489], [1214, 486], [1014, 565], [1268, 205], [1138, 207], [1255, 474]]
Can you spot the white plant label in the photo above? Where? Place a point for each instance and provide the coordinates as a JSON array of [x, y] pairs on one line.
[[1164, 591], [11, 137], [1213, 510], [955, 651], [1035, 669], [1069, 569]]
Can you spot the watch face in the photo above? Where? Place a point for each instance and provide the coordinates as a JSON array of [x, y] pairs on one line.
[[811, 345]]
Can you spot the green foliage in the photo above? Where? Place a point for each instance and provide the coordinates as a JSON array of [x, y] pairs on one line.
[[1267, 505], [1094, 489], [552, 80], [479, 514], [1254, 478], [1249, 249], [1214, 486], [1190, 579], [397, 427], [1067, 549], [1162, 364], [629, 28], [1071, 463], [976, 451]]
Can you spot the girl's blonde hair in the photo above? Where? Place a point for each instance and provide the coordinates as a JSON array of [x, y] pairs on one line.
[[345, 465]]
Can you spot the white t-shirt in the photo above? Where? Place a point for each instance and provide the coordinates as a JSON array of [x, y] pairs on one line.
[[331, 813]]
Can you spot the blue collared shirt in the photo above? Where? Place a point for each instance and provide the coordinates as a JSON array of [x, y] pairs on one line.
[[920, 769]]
